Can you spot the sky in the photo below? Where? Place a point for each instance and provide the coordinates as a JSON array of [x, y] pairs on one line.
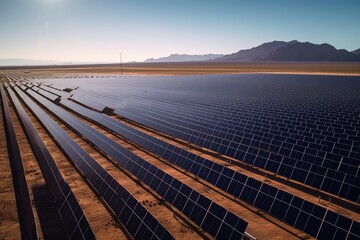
[[98, 30]]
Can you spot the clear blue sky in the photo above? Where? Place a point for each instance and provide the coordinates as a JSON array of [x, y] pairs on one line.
[[97, 30]]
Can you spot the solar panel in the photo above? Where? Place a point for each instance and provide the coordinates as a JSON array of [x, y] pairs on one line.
[[55, 91], [198, 135], [26, 214], [159, 181], [309, 135], [48, 95], [35, 88], [311, 174], [91, 102], [61, 192], [116, 196]]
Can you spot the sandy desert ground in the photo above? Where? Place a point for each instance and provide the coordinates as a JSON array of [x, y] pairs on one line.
[[189, 68]]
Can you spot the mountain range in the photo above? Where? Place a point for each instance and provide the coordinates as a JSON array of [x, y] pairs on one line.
[[357, 51], [293, 51], [275, 51], [256, 53], [185, 58]]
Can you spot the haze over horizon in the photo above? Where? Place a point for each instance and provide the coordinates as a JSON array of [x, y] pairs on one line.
[[96, 31]]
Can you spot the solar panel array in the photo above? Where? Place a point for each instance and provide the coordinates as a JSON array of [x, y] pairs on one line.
[[302, 128], [75, 222], [304, 215], [25, 209], [217, 221], [134, 217], [317, 173]]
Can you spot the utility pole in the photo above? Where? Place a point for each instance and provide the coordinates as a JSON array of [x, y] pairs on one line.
[[121, 68]]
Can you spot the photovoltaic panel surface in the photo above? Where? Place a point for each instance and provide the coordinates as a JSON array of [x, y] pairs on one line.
[[218, 221], [308, 216], [117, 197], [75, 222], [305, 128], [25, 208]]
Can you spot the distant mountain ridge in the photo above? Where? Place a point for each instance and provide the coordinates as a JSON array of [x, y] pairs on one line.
[[357, 51], [292, 51], [256, 53], [184, 58], [274, 51], [311, 52]]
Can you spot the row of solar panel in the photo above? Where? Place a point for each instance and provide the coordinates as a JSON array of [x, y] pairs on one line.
[[54, 88], [209, 113], [91, 102], [273, 113], [25, 209], [172, 109], [308, 125], [261, 195], [212, 109], [51, 96], [336, 150], [54, 92], [287, 149], [224, 117], [294, 133], [297, 130], [333, 151], [116, 196], [260, 101], [332, 156], [191, 203], [290, 143], [75, 222], [289, 118], [225, 120], [343, 185]]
